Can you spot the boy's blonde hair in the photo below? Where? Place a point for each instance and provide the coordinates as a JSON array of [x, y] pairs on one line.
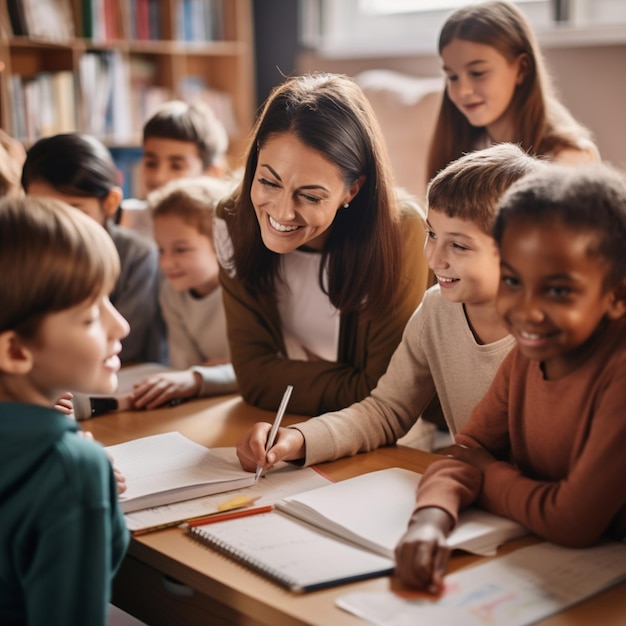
[[52, 257], [471, 187], [194, 200]]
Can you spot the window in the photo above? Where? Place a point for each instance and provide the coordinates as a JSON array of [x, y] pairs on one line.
[[349, 28], [385, 7]]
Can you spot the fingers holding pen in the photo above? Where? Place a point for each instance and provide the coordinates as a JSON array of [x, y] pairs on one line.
[[288, 446], [251, 447]]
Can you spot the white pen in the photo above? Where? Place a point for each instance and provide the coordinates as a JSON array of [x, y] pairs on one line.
[[277, 420]]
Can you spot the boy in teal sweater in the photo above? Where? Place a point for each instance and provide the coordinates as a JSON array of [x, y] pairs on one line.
[[62, 534]]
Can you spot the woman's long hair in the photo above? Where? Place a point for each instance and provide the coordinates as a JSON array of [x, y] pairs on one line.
[[330, 114]]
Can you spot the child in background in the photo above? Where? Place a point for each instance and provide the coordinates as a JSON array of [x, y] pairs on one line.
[[498, 90], [545, 446], [79, 170], [12, 157], [181, 141], [63, 534], [454, 342], [191, 296]]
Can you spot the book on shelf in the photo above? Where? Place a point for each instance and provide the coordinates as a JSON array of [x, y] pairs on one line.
[[104, 80], [199, 21], [44, 104], [195, 89], [47, 20], [169, 467], [17, 18], [342, 532], [64, 90]]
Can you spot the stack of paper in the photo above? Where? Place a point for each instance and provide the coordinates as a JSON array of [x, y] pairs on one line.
[[167, 468]]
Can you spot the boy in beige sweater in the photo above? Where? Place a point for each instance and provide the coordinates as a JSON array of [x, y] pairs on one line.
[[454, 342]]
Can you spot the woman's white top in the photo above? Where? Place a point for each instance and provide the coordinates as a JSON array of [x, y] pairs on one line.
[[310, 323]]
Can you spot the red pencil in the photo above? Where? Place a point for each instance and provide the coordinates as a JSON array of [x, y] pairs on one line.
[[226, 516]]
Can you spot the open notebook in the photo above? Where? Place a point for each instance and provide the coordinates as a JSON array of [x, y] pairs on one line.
[[342, 532], [167, 468]]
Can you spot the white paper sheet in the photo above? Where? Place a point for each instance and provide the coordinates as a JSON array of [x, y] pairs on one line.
[[514, 590], [285, 480]]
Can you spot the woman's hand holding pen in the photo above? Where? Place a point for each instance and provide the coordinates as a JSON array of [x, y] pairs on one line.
[[288, 446]]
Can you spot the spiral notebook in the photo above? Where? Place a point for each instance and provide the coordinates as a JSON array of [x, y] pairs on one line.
[[342, 532], [293, 554]]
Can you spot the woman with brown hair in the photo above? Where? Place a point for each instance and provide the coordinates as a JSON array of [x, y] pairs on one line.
[[321, 257]]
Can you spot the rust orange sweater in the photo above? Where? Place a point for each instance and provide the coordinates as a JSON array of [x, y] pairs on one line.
[[560, 447]]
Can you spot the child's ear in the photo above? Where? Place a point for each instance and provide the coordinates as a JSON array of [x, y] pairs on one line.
[[15, 357], [523, 65], [617, 304], [112, 201]]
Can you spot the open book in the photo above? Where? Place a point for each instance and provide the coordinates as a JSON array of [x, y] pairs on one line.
[[342, 532], [167, 468], [373, 511]]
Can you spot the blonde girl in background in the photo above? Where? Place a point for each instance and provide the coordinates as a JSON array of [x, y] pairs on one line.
[[190, 296]]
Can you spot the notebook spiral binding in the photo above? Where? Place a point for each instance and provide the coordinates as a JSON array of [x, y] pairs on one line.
[[213, 542]]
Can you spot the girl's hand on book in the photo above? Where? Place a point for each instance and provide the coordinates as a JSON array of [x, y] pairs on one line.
[[288, 446], [422, 553]]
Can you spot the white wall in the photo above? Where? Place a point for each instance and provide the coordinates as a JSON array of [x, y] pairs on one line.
[[591, 81]]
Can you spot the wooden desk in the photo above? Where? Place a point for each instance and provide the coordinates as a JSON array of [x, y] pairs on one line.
[[169, 580]]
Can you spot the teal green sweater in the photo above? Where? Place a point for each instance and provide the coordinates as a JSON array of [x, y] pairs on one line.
[[62, 534]]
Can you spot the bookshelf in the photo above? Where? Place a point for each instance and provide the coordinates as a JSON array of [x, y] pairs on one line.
[[102, 66]]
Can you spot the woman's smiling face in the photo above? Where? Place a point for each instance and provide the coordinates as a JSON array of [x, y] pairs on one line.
[[296, 193]]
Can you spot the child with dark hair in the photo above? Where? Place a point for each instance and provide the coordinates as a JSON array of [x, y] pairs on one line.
[[79, 170], [182, 140], [545, 446]]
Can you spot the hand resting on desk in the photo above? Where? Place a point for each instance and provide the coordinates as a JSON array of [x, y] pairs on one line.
[[158, 389], [288, 446], [422, 553]]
